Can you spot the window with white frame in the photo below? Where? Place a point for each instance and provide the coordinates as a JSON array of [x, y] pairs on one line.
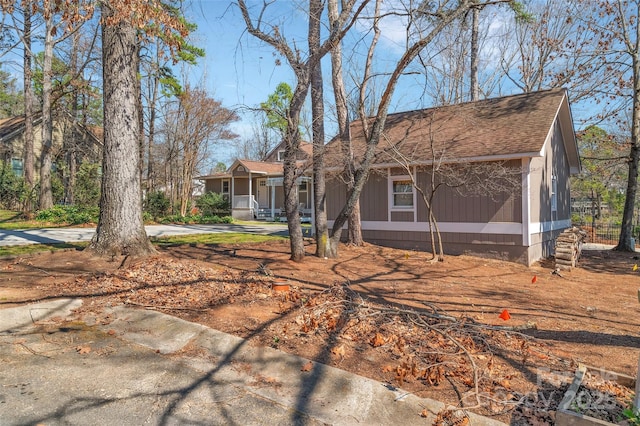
[[402, 195], [281, 155], [303, 193], [554, 194], [225, 189]]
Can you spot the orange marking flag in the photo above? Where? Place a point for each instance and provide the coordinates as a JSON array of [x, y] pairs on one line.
[[504, 315]]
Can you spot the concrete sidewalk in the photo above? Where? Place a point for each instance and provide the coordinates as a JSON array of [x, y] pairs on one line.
[[135, 366], [72, 235]]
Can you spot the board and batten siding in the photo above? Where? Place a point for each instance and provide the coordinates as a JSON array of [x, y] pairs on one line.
[[477, 224], [545, 224], [213, 185]]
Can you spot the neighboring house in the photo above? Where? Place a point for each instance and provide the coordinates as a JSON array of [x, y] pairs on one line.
[[86, 141], [532, 132], [254, 188]]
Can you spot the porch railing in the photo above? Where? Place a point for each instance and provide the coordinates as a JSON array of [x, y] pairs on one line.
[[243, 202]]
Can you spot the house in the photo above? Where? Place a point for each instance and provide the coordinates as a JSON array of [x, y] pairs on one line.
[[85, 141], [254, 188], [531, 133]]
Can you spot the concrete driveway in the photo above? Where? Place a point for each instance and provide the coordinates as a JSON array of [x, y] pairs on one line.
[[133, 367], [72, 235]]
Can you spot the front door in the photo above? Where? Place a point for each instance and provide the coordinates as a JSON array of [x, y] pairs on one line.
[[263, 193]]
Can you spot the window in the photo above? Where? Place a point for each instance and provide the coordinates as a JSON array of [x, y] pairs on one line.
[[303, 193], [17, 166], [401, 194], [554, 194], [225, 189], [281, 155]]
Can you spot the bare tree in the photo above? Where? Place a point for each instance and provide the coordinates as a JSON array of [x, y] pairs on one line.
[[261, 142], [302, 67], [618, 39], [431, 168], [62, 19], [354, 227], [433, 20], [553, 47], [28, 154], [195, 123]]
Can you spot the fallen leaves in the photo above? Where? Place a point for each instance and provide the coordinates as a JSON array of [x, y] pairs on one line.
[[83, 350], [377, 340], [307, 367]]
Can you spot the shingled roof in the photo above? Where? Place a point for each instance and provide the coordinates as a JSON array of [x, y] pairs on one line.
[[494, 129]]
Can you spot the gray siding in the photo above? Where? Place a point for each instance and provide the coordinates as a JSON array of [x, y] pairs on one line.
[[374, 200], [240, 186], [336, 197], [213, 185]]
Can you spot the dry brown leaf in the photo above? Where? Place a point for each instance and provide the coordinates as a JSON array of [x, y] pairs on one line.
[[377, 340], [307, 367], [505, 383], [338, 351], [83, 349]]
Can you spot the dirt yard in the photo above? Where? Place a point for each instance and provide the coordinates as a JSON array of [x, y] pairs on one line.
[[433, 329]]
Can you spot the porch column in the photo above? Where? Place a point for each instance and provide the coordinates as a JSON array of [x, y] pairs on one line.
[[272, 189], [313, 208], [250, 197], [233, 191], [526, 200]]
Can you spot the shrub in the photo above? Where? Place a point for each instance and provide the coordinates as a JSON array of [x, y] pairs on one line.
[[86, 190], [213, 204], [157, 204], [196, 218], [72, 215], [13, 190]]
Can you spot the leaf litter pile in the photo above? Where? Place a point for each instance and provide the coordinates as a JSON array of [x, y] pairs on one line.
[[491, 370]]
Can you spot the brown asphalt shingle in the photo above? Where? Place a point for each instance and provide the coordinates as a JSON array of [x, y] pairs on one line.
[[500, 127]]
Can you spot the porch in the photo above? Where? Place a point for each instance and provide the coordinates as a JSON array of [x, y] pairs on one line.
[[267, 203]]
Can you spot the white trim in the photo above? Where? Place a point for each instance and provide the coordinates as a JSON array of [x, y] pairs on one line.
[[392, 208], [526, 202], [556, 225], [477, 159], [508, 228], [503, 228]]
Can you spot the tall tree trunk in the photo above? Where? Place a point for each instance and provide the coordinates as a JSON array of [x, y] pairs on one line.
[[71, 142], [141, 139], [475, 24], [317, 125], [120, 227], [354, 233], [151, 135], [46, 195], [28, 154], [626, 231]]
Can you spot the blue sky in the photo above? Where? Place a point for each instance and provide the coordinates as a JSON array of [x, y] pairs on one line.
[[238, 69], [241, 71]]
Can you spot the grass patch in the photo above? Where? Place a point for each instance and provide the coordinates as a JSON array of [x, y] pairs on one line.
[[38, 248], [11, 220], [215, 239]]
